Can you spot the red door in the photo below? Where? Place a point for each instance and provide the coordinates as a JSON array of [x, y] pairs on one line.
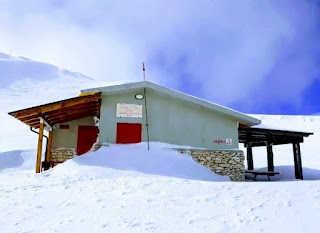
[[87, 136], [128, 133]]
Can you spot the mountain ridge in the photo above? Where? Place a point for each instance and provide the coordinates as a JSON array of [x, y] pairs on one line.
[[16, 69]]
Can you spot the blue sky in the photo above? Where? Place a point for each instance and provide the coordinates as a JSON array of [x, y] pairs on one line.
[[253, 56]]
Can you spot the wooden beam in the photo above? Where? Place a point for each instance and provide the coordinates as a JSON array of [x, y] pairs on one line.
[[276, 142], [72, 113], [270, 159], [30, 117], [56, 105], [297, 161], [91, 105], [36, 126], [269, 132], [49, 145], [249, 158], [39, 151], [50, 119], [98, 108], [46, 122], [25, 119], [31, 121], [72, 118]]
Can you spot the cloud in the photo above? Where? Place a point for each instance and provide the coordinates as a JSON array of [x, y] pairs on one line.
[[228, 51]]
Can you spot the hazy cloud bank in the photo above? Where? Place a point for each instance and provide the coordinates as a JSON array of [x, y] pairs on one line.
[[226, 51]]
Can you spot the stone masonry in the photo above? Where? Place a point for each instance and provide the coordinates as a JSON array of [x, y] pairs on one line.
[[61, 155], [222, 162]]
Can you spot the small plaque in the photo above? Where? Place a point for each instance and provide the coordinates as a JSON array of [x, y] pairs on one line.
[[129, 110], [228, 141]]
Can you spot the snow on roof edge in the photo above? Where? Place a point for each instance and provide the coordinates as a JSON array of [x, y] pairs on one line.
[[263, 126]]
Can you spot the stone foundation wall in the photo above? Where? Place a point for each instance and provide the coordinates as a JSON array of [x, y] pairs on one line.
[[222, 162], [61, 155]]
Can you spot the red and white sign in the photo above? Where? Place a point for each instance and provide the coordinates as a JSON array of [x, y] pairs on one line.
[[227, 141]]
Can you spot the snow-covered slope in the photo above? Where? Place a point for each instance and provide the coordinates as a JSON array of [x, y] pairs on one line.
[[296, 123], [15, 70], [26, 83], [123, 188]]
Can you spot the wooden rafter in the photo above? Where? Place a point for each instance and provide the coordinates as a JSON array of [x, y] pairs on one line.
[[72, 118], [60, 111], [56, 105], [71, 109], [68, 113]]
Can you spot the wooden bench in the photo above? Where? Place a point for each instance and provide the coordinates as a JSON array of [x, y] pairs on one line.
[[261, 173]]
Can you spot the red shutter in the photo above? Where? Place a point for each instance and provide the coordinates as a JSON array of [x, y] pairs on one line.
[[128, 133]]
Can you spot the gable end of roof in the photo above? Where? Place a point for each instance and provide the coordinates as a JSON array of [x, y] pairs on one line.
[[121, 88]]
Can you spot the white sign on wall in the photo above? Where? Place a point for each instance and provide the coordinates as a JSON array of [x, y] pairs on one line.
[[229, 141], [129, 110]]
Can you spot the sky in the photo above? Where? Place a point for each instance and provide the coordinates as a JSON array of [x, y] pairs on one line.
[[254, 56]]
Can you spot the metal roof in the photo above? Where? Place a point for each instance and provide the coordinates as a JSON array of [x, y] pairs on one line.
[[127, 87]]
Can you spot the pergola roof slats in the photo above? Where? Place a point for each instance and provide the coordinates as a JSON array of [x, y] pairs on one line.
[[72, 108], [56, 105], [68, 113], [261, 137], [60, 111], [260, 131], [72, 118]]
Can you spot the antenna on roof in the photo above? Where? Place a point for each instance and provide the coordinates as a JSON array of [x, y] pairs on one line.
[[145, 104], [144, 71]]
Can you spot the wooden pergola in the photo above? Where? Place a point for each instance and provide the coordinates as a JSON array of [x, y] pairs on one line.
[[48, 115], [256, 137]]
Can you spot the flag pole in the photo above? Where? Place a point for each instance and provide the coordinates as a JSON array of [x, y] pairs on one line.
[[145, 104]]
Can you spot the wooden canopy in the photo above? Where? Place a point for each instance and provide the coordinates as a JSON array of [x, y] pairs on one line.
[[262, 137], [253, 137], [61, 111]]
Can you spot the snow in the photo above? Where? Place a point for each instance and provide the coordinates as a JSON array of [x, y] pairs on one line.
[[159, 160], [84, 195], [19, 70], [263, 126], [126, 188]]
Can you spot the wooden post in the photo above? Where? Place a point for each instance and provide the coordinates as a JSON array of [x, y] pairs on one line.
[[98, 108], [49, 145], [249, 158], [39, 151], [297, 161], [270, 158]]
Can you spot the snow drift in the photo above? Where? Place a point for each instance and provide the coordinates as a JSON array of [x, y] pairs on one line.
[[159, 160]]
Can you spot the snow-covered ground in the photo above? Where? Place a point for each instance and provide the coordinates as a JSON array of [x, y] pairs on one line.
[[126, 188]]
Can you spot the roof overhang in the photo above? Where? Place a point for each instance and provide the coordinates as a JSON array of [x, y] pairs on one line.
[[61, 111]]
